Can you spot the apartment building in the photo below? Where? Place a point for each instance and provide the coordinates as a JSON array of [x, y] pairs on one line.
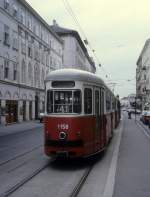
[[143, 75], [29, 49], [75, 54]]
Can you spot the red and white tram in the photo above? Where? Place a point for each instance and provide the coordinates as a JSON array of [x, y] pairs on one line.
[[81, 113]]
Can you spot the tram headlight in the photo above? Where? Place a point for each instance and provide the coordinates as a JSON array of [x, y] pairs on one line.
[[62, 135]]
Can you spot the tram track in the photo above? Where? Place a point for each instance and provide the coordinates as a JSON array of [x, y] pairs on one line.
[[18, 185], [19, 155], [81, 182]]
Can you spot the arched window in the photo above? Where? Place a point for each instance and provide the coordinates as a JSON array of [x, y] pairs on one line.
[[23, 71], [6, 4], [15, 68]]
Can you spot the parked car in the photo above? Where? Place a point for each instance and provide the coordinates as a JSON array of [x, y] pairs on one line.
[[145, 117], [41, 116]]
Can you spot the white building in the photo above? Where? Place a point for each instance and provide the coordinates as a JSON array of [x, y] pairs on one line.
[[29, 49], [143, 74], [75, 54]]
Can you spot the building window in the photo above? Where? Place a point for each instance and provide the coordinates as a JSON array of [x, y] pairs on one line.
[[15, 71], [43, 57], [6, 4], [23, 73], [15, 11], [29, 51], [36, 54], [42, 78], [23, 45], [30, 74], [6, 68], [22, 17], [6, 35], [47, 59], [36, 75], [15, 41], [29, 23], [88, 101]]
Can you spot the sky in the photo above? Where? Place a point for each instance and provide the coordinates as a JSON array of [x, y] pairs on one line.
[[116, 30]]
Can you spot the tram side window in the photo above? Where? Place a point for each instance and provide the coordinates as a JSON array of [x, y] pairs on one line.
[[87, 101], [113, 104], [77, 102], [49, 101], [102, 102], [108, 102]]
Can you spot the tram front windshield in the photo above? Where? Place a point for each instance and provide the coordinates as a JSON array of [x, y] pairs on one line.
[[62, 102]]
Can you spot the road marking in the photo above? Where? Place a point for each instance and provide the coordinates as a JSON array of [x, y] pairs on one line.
[[110, 182]]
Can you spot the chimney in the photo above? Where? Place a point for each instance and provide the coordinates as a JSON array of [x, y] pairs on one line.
[[55, 23]]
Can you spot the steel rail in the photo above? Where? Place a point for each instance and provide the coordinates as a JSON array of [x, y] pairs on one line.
[[24, 181], [20, 155], [81, 182]]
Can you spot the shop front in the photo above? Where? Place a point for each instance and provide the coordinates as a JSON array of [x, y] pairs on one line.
[[30, 110], [11, 111]]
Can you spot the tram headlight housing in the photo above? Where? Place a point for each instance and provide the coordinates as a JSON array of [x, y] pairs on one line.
[[62, 135]]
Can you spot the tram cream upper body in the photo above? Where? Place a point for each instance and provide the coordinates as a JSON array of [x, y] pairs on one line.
[[75, 75], [82, 79]]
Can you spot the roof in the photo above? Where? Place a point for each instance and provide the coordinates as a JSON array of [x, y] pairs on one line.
[[64, 31], [40, 19], [74, 74]]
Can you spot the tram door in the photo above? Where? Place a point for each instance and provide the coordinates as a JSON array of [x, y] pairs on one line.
[[103, 118], [97, 119]]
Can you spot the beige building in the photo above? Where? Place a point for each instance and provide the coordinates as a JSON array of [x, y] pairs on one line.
[[29, 49], [75, 54], [143, 75]]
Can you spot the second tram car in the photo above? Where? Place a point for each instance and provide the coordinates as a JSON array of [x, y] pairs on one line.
[[81, 113]]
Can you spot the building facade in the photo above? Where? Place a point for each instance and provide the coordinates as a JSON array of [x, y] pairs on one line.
[[143, 75], [29, 50], [75, 54]]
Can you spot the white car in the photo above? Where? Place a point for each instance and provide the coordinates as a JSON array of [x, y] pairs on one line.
[[41, 116], [145, 117]]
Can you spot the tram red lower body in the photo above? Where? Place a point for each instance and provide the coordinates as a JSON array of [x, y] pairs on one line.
[[85, 135]]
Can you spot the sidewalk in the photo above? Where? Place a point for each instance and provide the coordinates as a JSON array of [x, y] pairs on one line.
[[19, 127], [133, 169]]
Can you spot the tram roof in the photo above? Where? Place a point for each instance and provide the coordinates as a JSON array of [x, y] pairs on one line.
[[74, 74]]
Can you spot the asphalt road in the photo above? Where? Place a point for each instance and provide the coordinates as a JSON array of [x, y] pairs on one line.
[[22, 153], [19, 143]]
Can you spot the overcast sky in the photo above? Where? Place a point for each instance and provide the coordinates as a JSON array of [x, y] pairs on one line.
[[116, 29]]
